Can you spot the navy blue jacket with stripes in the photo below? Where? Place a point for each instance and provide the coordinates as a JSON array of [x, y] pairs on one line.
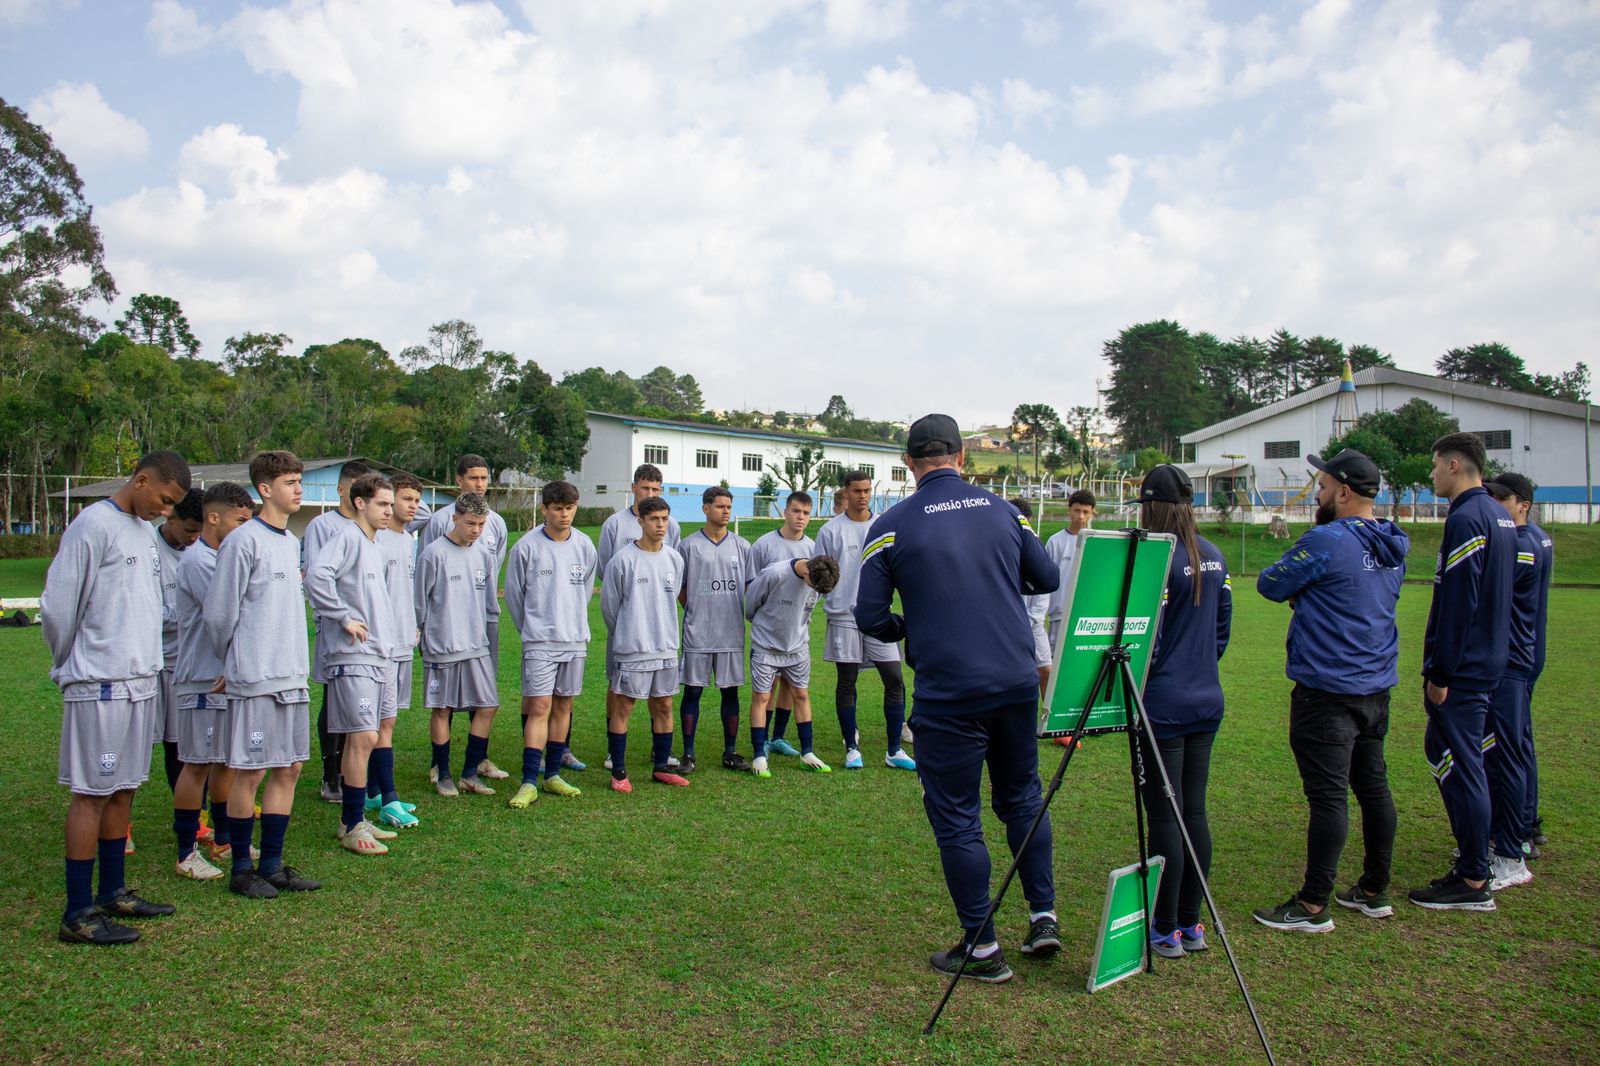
[[1469, 623], [1530, 601], [961, 559]]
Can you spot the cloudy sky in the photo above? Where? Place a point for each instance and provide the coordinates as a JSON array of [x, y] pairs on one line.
[[947, 204]]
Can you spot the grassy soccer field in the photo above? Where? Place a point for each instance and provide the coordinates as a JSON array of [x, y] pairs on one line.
[[789, 921]]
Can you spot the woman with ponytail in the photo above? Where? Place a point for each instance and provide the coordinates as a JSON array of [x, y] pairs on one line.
[[1183, 698]]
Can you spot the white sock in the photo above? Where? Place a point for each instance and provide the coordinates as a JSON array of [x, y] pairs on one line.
[[1034, 916], [983, 951]]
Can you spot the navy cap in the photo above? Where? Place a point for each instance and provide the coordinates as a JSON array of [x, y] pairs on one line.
[[1166, 484], [1351, 468], [1515, 483], [933, 435]]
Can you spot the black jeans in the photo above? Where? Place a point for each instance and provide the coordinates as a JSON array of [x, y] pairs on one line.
[[1338, 743], [1188, 763]]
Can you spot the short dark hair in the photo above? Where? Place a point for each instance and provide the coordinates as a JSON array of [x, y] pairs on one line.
[[468, 462], [268, 467], [652, 504], [647, 472], [189, 508], [715, 492], [367, 486], [403, 480], [1082, 497], [1464, 446], [1022, 505], [799, 496], [558, 492], [354, 471], [168, 466], [853, 476], [822, 573], [226, 496], [472, 503]]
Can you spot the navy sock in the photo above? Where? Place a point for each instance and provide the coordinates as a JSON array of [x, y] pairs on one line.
[[780, 722], [690, 722], [219, 822], [185, 823], [80, 885], [804, 729], [552, 766], [441, 760], [274, 827], [617, 748], [894, 717], [530, 765], [355, 800], [113, 855], [660, 749], [477, 751], [730, 720], [847, 728], [240, 831], [383, 763], [758, 741]]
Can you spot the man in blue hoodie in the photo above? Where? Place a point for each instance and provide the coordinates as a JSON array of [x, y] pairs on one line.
[[1342, 578]]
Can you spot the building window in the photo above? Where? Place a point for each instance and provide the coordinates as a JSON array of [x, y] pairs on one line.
[[704, 459], [831, 469], [1495, 440], [600, 490], [752, 462], [1283, 449], [655, 453], [869, 469], [897, 473], [792, 466]]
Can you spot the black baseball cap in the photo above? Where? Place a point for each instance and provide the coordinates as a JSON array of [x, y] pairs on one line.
[[1513, 482], [1166, 484], [933, 435], [1351, 468]]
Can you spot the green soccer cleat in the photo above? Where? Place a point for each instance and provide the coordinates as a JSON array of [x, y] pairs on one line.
[[758, 766], [812, 762], [557, 787], [395, 814], [525, 796]]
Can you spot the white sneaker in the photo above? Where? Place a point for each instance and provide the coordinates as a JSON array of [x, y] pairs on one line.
[[197, 868], [899, 760], [905, 734], [608, 762], [1507, 873], [361, 841]]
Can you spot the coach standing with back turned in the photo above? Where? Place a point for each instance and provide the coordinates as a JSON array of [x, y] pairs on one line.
[[962, 559]]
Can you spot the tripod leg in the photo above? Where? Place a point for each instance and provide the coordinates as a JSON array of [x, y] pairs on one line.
[[1136, 764]]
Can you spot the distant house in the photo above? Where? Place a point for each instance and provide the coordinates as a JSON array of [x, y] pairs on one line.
[[984, 442], [321, 486]]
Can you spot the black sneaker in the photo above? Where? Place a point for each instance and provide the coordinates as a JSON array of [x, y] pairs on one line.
[[126, 904], [992, 970], [686, 765], [251, 885], [1043, 939], [1538, 832], [1355, 897], [732, 760], [1452, 893], [288, 879], [90, 926], [1292, 916]]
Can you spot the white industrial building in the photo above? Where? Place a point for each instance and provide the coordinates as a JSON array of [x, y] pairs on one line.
[[694, 456], [1259, 456]]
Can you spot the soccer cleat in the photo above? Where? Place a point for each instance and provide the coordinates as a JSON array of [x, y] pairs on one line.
[[1193, 938], [557, 787], [525, 796], [380, 833], [607, 763], [1168, 946], [224, 852], [491, 771], [372, 804], [206, 834], [732, 760], [621, 784], [475, 785], [196, 868], [89, 926], [395, 814], [1507, 873], [433, 775], [672, 762], [899, 760], [687, 765], [288, 879], [758, 766], [446, 787], [667, 777], [361, 841], [251, 885], [128, 848], [571, 762], [1452, 893], [811, 762], [852, 759], [1374, 906], [128, 904], [1292, 917], [906, 736], [331, 793], [1530, 851], [1538, 833], [990, 970], [779, 746], [1043, 939]]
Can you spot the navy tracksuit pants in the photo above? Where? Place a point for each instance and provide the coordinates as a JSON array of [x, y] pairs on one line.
[[951, 753], [1453, 744], [1508, 763]]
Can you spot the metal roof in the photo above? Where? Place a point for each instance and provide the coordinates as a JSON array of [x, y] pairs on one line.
[[209, 473]]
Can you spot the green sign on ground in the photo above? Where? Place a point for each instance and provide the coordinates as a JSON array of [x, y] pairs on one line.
[[1089, 626], [1119, 948]]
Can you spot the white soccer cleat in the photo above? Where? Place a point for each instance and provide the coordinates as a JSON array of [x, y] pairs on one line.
[[491, 771], [905, 734], [361, 841], [196, 868], [607, 763], [812, 762], [758, 766], [899, 760]]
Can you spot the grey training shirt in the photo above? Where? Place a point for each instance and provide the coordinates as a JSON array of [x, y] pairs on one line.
[[714, 576], [639, 600], [101, 606], [779, 604], [255, 611], [549, 584], [450, 582]]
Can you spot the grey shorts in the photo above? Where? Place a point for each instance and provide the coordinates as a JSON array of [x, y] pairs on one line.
[[699, 668], [167, 701], [646, 680], [543, 675], [402, 684], [766, 668], [359, 697], [269, 732], [1042, 655], [202, 728], [842, 644], [464, 685], [105, 735]]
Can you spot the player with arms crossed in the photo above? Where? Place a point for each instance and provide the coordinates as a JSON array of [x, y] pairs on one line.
[[399, 576], [789, 541], [716, 566], [779, 604]]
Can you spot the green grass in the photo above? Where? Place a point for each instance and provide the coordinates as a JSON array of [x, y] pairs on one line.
[[789, 921]]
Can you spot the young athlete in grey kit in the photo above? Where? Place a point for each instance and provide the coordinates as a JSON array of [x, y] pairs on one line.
[[399, 575], [716, 567]]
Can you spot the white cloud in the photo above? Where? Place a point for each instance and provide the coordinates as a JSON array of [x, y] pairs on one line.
[[1025, 103], [856, 21], [1040, 31], [19, 11], [175, 29], [87, 128]]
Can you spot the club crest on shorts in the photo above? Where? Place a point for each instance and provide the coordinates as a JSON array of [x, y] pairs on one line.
[[366, 703], [257, 738], [108, 761]]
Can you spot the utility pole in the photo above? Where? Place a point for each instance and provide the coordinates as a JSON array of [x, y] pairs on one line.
[[1236, 457]]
